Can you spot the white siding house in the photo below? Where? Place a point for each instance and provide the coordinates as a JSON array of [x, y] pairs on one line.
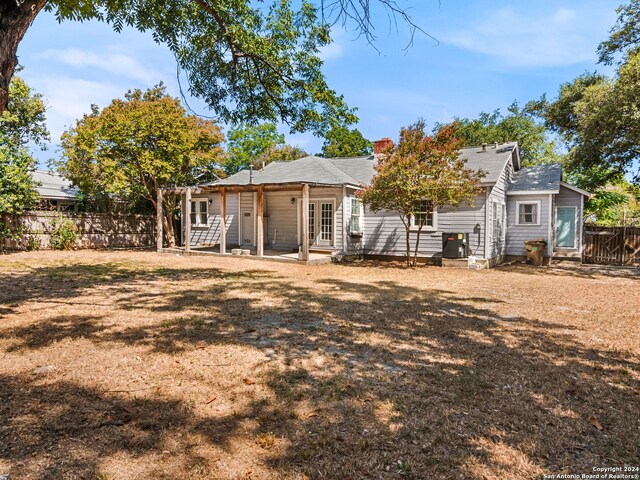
[[513, 205]]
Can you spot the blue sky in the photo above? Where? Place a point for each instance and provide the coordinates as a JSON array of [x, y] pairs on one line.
[[488, 54]]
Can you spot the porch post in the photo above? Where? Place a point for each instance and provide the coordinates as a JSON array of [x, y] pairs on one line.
[[260, 233], [223, 221], [305, 222], [187, 225], [159, 220]]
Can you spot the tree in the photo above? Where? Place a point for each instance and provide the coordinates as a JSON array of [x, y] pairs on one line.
[[596, 116], [246, 142], [137, 145], [22, 124], [248, 60], [421, 168], [342, 142], [278, 153], [517, 126]]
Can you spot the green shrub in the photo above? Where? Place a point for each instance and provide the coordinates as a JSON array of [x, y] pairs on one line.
[[33, 243], [64, 234]]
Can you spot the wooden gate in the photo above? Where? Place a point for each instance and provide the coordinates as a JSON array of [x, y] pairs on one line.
[[611, 245]]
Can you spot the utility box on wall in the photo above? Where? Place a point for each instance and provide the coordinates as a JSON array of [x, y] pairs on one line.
[[455, 245]]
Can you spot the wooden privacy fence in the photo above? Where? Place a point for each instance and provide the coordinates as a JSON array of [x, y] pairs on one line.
[[611, 245], [95, 230]]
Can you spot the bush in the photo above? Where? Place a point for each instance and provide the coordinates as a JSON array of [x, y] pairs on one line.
[[64, 234], [33, 243]]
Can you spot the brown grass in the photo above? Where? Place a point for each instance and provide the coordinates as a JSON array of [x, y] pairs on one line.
[[122, 365]]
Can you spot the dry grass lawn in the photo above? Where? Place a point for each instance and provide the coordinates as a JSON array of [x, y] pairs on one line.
[[134, 365]]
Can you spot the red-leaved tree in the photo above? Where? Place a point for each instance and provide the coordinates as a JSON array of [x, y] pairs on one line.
[[421, 168]]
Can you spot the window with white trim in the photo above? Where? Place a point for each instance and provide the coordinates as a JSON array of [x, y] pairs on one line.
[[199, 212], [356, 216], [426, 216], [528, 213]]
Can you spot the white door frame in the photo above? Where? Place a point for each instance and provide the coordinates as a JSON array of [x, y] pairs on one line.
[[253, 236], [575, 226], [318, 202]]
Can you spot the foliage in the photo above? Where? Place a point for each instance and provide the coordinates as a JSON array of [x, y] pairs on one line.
[[342, 142], [137, 145], [246, 142], [63, 234], [597, 118], [247, 60], [279, 153], [517, 126], [625, 34], [421, 168], [33, 243], [22, 124], [615, 205]]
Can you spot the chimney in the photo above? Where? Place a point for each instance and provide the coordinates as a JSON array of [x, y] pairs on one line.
[[380, 146], [484, 147]]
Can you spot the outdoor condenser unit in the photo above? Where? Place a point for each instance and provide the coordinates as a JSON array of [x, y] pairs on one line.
[[455, 245]]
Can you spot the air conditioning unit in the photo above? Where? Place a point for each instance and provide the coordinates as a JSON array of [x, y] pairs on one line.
[[455, 245]]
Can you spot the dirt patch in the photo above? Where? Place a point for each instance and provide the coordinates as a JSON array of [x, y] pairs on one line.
[[122, 365]]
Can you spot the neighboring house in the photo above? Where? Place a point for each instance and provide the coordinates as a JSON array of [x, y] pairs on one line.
[[315, 198], [56, 192]]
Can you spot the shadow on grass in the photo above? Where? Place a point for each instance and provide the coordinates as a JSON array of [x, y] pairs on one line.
[[393, 381]]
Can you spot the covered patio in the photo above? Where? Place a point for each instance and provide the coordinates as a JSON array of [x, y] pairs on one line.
[[232, 227]]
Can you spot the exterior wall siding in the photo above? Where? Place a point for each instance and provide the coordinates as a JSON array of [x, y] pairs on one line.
[[385, 232], [281, 222], [209, 235], [517, 234], [497, 240], [569, 198]]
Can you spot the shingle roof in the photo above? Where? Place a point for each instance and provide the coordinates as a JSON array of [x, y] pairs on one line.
[[52, 185], [357, 170], [315, 170], [539, 178], [492, 161]]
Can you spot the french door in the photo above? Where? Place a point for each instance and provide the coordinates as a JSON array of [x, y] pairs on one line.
[[321, 223]]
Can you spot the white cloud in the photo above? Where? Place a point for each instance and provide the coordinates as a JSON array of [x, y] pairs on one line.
[[113, 62], [542, 39], [332, 51], [68, 99]]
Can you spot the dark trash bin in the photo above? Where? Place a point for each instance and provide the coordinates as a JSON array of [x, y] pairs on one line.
[[535, 251]]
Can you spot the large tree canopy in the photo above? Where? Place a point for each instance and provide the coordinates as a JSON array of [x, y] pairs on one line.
[[516, 126], [137, 145], [249, 60], [340, 141], [246, 142]]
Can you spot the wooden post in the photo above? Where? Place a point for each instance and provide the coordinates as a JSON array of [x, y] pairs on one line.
[[187, 225], [305, 222], [223, 221], [260, 233], [159, 220]]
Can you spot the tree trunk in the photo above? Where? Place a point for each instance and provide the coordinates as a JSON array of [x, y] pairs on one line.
[[15, 19], [415, 252], [167, 225], [407, 235]]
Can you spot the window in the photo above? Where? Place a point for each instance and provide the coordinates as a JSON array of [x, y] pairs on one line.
[[356, 216], [199, 212], [426, 216], [528, 213]]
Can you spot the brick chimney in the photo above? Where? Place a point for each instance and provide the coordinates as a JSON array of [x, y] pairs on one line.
[[379, 146]]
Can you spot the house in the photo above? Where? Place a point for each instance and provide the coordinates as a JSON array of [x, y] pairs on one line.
[[56, 192], [270, 211]]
